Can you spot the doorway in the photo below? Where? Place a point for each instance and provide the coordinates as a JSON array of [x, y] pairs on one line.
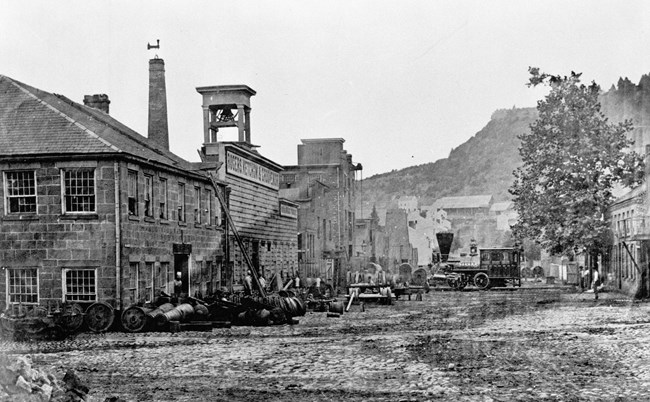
[[181, 264]]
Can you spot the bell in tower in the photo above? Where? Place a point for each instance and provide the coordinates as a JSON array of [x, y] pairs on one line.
[[226, 106]]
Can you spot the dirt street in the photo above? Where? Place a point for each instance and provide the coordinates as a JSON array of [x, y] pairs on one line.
[[523, 345]]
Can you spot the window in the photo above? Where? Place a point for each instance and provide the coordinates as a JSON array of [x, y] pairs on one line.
[[145, 282], [197, 205], [21, 192], [164, 213], [148, 196], [209, 207], [132, 183], [318, 227], [22, 285], [80, 285], [79, 190], [181, 202]]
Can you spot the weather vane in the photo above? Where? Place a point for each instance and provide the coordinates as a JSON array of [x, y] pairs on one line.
[[156, 46]]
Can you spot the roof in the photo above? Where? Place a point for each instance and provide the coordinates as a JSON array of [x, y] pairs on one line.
[[468, 201], [35, 122], [501, 206]]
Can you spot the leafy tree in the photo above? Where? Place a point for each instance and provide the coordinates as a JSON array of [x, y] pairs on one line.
[[572, 157]]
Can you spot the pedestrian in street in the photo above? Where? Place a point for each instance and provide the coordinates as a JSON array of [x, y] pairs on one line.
[[595, 282], [296, 282]]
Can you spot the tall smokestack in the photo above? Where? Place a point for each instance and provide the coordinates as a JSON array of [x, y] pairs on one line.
[[158, 130]]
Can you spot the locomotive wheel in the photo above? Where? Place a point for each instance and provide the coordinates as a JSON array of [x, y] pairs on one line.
[[99, 317], [481, 280], [134, 319]]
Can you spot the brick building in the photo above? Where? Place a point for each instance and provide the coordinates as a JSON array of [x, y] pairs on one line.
[[266, 222], [92, 210], [325, 161]]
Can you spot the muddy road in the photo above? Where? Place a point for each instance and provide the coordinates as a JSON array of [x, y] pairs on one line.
[[523, 345]]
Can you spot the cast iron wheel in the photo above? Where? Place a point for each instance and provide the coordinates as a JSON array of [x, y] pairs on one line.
[[99, 317], [134, 319], [481, 280]]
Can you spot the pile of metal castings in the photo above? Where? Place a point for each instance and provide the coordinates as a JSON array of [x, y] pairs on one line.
[[28, 322], [218, 311]]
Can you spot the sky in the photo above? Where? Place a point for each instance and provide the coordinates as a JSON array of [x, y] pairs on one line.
[[403, 82]]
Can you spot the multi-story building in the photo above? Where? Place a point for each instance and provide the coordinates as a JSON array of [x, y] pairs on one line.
[[624, 266], [93, 211], [324, 160], [266, 222]]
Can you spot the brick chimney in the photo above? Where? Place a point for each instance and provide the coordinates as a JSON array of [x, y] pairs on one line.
[[100, 102], [158, 130]]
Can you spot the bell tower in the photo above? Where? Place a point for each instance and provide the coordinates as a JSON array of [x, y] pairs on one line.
[[226, 106]]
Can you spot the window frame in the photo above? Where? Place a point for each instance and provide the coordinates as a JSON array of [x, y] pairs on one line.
[[182, 207], [8, 286], [164, 199], [64, 190], [64, 285], [148, 196], [198, 205], [132, 209], [8, 197]]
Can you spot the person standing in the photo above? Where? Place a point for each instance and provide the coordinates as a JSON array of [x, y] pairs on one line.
[[595, 282], [248, 283]]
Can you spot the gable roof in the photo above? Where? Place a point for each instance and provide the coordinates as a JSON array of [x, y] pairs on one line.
[[34, 122], [468, 201]]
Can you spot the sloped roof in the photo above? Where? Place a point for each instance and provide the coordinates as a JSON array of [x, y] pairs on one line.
[[501, 206], [34, 122], [469, 201]]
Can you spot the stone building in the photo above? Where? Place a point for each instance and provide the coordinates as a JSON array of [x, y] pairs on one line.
[[625, 264], [324, 160], [93, 211], [266, 222]]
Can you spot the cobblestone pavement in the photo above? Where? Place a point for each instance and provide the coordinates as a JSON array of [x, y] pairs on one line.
[[523, 345]]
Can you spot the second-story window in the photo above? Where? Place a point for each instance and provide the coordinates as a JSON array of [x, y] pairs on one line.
[[132, 182], [197, 205], [21, 192], [181, 202], [163, 199], [209, 207], [148, 196], [79, 190]]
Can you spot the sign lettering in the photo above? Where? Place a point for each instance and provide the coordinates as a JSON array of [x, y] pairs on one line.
[[289, 211], [241, 167]]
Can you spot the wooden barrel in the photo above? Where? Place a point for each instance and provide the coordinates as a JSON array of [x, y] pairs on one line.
[[135, 318], [182, 312], [99, 317]]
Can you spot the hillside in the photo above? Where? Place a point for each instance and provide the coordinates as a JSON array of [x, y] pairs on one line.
[[484, 164]]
